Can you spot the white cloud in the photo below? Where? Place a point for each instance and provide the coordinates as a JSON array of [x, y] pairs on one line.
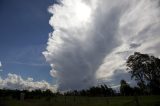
[[14, 81], [0, 66], [90, 46]]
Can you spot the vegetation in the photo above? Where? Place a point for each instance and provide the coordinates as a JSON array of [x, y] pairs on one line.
[[146, 71], [125, 89], [85, 101]]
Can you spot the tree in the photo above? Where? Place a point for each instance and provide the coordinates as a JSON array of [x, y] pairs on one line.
[[125, 89], [146, 71]]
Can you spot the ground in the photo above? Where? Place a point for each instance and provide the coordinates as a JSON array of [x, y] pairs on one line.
[[85, 101]]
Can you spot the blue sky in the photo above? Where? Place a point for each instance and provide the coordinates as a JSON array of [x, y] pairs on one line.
[[24, 32]]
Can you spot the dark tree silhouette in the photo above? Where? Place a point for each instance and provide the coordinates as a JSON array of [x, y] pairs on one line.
[[125, 88], [101, 90], [146, 71]]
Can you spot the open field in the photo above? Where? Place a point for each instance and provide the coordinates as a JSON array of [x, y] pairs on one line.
[[86, 101]]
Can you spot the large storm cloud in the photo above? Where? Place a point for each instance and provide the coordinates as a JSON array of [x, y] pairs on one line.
[[92, 39]]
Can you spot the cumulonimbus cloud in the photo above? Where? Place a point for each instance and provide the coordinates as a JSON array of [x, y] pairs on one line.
[[92, 39]]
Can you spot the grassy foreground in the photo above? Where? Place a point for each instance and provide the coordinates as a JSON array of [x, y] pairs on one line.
[[86, 101]]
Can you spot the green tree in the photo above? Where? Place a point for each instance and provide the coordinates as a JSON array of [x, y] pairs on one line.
[[125, 88], [146, 71]]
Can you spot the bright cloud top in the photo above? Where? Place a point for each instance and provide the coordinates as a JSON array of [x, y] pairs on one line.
[[93, 38]]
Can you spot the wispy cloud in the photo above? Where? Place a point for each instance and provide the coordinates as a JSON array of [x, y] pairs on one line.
[[0, 66], [27, 63]]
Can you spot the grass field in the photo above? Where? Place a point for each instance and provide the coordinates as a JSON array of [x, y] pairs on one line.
[[86, 101]]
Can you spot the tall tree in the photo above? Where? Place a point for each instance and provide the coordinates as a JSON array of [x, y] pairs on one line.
[[125, 88], [146, 70]]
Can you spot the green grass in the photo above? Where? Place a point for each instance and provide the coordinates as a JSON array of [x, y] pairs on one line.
[[86, 101]]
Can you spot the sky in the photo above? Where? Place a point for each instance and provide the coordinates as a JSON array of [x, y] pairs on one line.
[[24, 32], [24, 28], [75, 44]]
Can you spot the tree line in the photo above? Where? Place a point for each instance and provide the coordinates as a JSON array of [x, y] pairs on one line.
[[16, 94]]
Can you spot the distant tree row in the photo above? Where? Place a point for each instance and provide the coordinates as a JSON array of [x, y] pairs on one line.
[[16, 94], [102, 90]]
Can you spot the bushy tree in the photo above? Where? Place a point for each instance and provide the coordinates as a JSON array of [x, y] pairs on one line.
[[125, 88], [146, 71]]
